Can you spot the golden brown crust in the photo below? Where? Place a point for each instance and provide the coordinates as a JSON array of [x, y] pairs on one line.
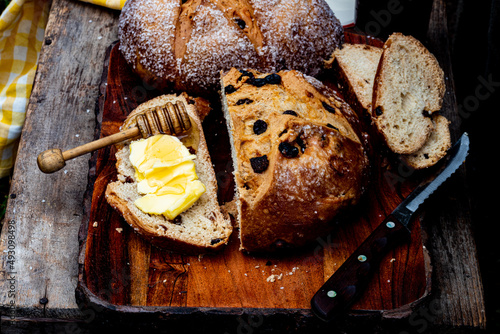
[[316, 162], [301, 198], [435, 148], [198, 38], [136, 222]]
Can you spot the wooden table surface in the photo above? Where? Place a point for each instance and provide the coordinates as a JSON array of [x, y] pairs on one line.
[[44, 212]]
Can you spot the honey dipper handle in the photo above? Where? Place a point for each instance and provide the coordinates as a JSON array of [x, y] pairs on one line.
[[52, 160]]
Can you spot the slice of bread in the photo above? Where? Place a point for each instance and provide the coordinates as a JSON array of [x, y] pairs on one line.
[[355, 66], [434, 148], [202, 227], [409, 86], [297, 156]]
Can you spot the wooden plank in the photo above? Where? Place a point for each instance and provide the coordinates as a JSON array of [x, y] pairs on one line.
[[458, 299], [47, 209]]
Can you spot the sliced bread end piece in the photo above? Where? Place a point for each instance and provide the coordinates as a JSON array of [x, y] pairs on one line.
[[434, 148], [409, 86], [355, 66], [201, 228]]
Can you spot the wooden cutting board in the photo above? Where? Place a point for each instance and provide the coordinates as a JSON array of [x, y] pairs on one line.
[[122, 272]]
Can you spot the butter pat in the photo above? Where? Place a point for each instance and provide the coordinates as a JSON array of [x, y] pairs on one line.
[[166, 176]]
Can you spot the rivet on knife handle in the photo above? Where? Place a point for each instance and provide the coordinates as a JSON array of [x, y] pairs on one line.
[[349, 281]]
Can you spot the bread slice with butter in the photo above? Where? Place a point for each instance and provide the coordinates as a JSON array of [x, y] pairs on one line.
[[200, 228]]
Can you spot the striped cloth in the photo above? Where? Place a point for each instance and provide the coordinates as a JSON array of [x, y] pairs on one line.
[[22, 29], [113, 4]]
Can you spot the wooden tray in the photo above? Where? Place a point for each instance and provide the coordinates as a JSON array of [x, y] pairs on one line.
[[121, 272]]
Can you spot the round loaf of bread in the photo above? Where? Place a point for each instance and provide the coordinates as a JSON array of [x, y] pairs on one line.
[[186, 44]]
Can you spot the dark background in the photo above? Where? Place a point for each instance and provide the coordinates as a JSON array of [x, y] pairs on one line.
[[474, 36]]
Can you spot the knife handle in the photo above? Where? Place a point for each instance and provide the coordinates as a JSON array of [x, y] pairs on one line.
[[349, 281]]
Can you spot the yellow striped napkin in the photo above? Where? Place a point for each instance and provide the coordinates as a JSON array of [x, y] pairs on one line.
[[22, 29]]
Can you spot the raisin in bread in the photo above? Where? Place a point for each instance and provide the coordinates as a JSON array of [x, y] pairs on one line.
[[297, 155], [409, 86], [185, 44], [355, 66], [203, 226]]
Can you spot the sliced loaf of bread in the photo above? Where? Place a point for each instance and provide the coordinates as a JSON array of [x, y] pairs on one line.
[[409, 86], [297, 155], [200, 228]]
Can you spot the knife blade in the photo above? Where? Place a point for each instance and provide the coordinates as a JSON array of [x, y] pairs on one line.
[[347, 283]]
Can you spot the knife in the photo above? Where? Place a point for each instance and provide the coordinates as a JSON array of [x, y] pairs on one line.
[[348, 282]]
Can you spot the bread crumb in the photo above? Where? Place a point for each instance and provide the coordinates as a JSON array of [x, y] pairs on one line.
[[95, 224], [273, 278], [119, 229]]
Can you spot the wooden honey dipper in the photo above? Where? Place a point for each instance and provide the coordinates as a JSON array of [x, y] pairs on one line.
[[170, 119]]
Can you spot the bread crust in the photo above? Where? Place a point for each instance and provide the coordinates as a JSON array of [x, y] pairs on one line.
[[122, 193], [295, 199], [185, 46], [435, 148], [300, 200], [136, 222]]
